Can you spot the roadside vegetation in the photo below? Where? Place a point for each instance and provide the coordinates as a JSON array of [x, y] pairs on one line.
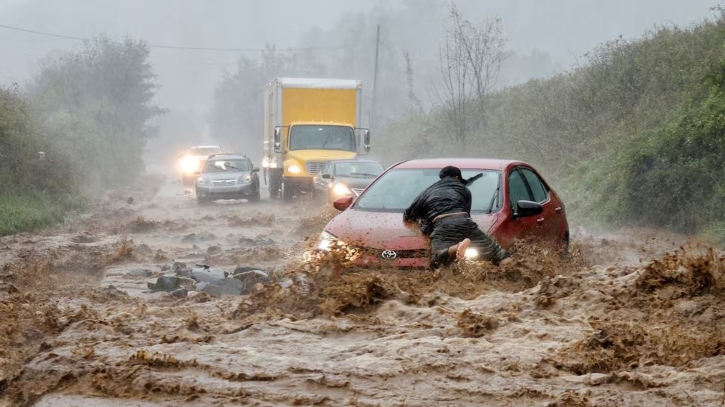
[[635, 135], [77, 129], [34, 191]]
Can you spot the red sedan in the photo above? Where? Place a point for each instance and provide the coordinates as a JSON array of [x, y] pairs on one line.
[[511, 200]]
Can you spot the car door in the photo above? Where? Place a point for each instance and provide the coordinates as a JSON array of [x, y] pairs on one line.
[[253, 175], [519, 227], [321, 184], [548, 221]]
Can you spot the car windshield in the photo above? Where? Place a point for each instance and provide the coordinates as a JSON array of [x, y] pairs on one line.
[[204, 151], [229, 165], [395, 190], [358, 169], [309, 137]]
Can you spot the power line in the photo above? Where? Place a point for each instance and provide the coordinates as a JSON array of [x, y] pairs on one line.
[[68, 37]]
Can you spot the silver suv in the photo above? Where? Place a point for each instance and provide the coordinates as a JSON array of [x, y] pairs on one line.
[[227, 176]]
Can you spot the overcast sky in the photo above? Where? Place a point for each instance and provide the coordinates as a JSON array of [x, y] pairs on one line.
[[565, 29]]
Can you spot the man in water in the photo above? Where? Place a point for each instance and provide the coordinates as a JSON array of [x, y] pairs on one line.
[[444, 213]]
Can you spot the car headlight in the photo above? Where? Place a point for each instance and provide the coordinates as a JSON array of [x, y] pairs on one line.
[[294, 169], [189, 164], [471, 253], [245, 179], [341, 189], [327, 240], [200, 181]]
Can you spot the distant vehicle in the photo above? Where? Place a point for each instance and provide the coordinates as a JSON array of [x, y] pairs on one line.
[[510, 201], [192, 162], [227, 176], [341, 178], [306, 123]]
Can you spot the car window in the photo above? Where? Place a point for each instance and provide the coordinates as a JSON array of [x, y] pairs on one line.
[[540, 192], [396, 189], [226, 165], [517, 188], [358, 169]]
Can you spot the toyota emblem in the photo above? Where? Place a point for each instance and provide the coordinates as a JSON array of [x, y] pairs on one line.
[[388, 255]]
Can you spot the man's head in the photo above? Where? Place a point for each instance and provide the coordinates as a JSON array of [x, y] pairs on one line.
[[451, 171]]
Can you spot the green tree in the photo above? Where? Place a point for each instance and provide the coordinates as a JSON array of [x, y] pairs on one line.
[[95, 104]]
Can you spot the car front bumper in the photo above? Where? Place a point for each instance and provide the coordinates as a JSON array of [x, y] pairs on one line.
[[377, 258], [221, 191]]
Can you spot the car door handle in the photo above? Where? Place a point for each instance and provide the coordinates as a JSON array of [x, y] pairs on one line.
[[557, 209], [540, 220]]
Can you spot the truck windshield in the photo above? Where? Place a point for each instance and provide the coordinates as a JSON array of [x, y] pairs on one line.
[[309, 137]]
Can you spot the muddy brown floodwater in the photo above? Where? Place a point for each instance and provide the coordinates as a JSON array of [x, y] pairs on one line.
[[633, 318]]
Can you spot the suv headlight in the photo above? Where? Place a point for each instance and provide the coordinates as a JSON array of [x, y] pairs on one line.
[[327, 240], [200, 181], [245, 179], [189, 164]]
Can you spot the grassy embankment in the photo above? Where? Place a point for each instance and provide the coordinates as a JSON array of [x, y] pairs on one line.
[[633, 136]]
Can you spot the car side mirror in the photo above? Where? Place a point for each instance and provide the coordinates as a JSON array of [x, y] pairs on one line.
[[366, 140], [277, 139], [255, 169], [326, 176], [342, 203], [527, 208]]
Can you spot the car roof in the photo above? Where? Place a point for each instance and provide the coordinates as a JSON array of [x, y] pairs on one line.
[[204, 147], [229, 155], [463, 163]]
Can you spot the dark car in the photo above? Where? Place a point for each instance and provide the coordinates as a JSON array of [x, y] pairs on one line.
[[227, 176], [511, 200], [342, 178]]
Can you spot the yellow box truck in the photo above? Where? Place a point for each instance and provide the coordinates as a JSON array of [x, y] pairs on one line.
[[308, 122]]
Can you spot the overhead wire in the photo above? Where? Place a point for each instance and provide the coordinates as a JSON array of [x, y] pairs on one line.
[[163, 46]]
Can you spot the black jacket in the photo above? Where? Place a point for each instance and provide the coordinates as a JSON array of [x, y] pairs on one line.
[[448, 195]]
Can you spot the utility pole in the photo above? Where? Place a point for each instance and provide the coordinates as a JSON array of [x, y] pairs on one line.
[[373, 116]]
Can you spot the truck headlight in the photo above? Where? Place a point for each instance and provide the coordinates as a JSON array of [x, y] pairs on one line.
[[341, 189], [294, 169]]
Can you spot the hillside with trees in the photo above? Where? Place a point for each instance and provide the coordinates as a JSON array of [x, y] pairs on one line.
[[635, 135]]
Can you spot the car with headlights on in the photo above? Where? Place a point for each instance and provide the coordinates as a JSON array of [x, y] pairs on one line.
[[511, 200], [192, 162], [227, 176], [343, 178]]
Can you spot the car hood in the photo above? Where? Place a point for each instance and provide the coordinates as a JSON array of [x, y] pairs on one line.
[[385, 230], [355, 182], [212, 176]]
